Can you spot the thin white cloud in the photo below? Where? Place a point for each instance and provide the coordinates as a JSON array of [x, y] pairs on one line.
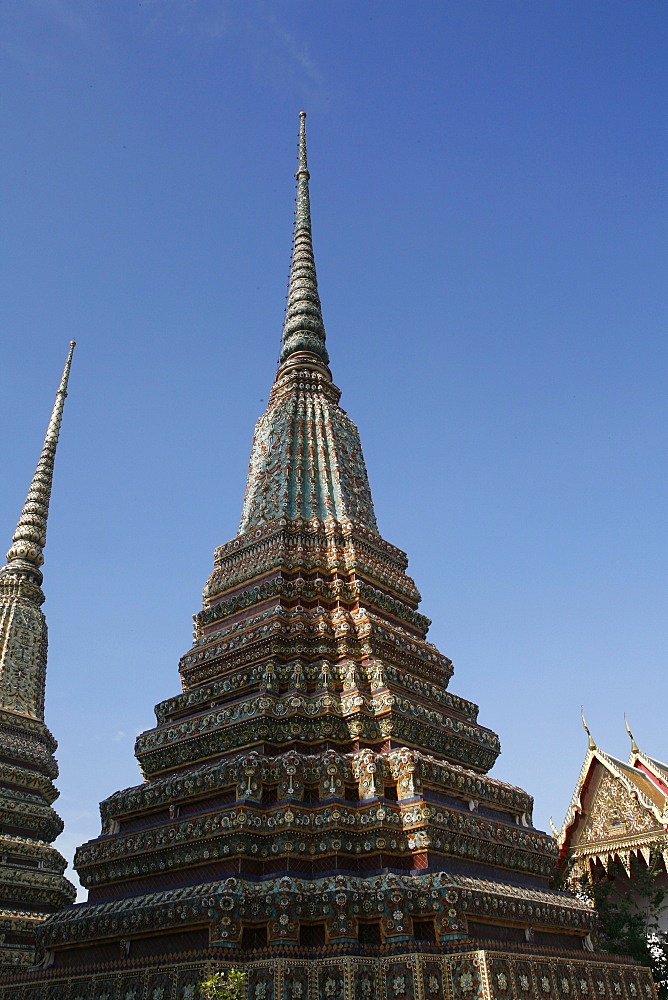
[[27, 29], [297, 52], [205, 19], [73, 15], [18, 54], [218, 19], [216, 26]]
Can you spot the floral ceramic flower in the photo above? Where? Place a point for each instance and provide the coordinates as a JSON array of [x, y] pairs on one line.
[[583, 986], [399, 984], [565, 986], [330, 987], [466, 981], [502, 980], [524, 982], [433, 984], [545, 984]]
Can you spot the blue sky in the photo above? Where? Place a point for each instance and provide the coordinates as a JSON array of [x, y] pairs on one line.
[[488, 186]]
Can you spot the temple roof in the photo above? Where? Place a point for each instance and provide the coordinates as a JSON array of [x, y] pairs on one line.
[[306, 461], [618, 808]]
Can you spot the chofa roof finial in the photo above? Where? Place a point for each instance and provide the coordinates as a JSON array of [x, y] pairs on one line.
[[592, 745], [634, 746]]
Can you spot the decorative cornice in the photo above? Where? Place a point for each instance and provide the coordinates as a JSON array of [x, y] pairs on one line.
[[226, 903], [207, 780]]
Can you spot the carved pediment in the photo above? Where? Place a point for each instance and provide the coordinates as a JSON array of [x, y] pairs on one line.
[[613, 813]]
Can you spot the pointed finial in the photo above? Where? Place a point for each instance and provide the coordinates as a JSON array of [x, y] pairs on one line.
[[634, 746], [26, 553], [555, 832], [592, 745], [302, 166], [303, 328]]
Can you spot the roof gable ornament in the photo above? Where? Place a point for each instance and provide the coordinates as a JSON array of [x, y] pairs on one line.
[[634, 746], [592, 745]]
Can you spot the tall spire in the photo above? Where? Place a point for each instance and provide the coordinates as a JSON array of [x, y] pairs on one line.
[[306, 462], [33, 885], [26, 553], [303, 329]]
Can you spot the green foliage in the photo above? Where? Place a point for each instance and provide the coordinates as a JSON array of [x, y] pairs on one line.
[[228, 985], [630, 913]]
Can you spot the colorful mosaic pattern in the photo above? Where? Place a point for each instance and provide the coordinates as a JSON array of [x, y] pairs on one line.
[[307, 458], [478, 975]]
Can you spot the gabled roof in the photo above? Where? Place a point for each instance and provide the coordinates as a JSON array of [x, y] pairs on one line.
[[618, 808], [656, 771]]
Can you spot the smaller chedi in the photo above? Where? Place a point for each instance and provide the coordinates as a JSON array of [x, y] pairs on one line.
[[32, 884], [616, 822]]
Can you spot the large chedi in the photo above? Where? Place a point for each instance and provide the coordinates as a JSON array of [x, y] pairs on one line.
[[315, 806], [32, 884]]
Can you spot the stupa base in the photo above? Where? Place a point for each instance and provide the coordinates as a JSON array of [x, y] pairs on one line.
[[428, 975]]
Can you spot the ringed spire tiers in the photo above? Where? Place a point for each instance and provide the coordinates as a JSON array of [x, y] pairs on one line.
[[303, 328], [32, 884], [26, 554], [306, 462]]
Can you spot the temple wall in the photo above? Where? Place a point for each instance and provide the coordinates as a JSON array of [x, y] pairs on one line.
[[476, 975]]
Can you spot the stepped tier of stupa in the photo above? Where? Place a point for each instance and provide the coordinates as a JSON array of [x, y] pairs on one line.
[[316, 806]]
